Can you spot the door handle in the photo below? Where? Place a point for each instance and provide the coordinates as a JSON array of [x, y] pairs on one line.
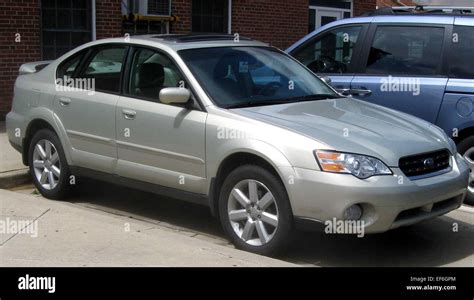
[[345, 92], [356, 92], [129, 114], [63, 101], [361, 92]]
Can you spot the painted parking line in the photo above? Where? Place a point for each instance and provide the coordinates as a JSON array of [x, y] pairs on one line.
[[468, 209]]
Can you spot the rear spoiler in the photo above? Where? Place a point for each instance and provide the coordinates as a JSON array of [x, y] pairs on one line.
[[33, 67]]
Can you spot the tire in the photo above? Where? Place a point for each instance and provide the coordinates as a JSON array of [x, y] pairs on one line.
[[55, 160], [264, 236], [466, 149]]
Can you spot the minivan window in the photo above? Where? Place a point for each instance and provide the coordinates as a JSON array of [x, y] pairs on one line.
[[461, 64], [248, 76], [331, 53], [405, 50], [105, 68]]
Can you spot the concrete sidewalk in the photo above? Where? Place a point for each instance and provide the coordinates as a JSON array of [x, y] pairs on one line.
[[12, 170], [69, 235]]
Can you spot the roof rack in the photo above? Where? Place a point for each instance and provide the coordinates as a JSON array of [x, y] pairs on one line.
[[187, 38], [423, 9]]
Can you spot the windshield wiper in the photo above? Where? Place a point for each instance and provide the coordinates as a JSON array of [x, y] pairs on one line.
[[282, 101], [314, 97], [258, 103]]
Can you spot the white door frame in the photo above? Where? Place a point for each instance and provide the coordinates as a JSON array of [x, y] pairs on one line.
[[330, 10], [93, 17]]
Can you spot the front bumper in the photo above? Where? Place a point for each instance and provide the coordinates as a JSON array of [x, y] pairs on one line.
[[388, 201]]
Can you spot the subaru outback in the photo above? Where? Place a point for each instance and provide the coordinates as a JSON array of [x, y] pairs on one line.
[[235, 125]]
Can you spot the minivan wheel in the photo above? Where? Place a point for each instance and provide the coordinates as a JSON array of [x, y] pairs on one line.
[[254, 210], [48, 165], [466, 149]]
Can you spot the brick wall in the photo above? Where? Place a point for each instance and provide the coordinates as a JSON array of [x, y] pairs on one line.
[[22, 17], [278, 22], [108, 18], [363, 6], [181, 9]]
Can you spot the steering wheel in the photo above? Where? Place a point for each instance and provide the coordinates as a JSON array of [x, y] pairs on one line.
[[327, 64], [270, 88]]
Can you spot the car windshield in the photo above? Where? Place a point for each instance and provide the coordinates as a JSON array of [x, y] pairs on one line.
[[249, 76]]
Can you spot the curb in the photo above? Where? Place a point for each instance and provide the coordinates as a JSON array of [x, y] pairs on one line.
[[14, 178]]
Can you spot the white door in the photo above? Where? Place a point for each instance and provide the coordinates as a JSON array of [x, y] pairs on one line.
[[325, 16]]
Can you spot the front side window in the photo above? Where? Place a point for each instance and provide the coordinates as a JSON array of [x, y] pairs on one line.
[[461, 64], [105, 68], [234, 76], [151, 72], [404, 50], [331, 53]]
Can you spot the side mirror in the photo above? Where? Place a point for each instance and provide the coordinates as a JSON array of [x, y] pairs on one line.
[[326, 79], [173, 95]]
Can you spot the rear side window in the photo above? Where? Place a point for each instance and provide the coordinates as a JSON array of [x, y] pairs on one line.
[[105, 68], [405, 50], [461, 63], [69, 66], [330, 53]]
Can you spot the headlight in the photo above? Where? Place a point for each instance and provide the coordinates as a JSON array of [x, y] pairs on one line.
[[360, 166]]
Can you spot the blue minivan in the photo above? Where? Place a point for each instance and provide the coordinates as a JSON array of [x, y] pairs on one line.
[[418, 60]]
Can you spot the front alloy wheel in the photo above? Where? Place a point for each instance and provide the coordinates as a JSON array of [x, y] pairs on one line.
[[253, 212], [469, 158]]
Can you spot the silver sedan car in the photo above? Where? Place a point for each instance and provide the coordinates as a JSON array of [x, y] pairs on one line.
[[236, 125]]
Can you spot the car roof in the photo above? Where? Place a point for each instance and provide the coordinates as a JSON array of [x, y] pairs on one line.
[[429, 19], [178, 42]]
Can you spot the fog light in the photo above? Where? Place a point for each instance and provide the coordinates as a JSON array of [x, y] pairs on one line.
[[353, 213]]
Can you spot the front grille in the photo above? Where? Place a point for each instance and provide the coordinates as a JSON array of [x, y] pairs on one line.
[[424, 164]]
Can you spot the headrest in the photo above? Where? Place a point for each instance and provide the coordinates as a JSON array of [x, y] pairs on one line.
[[150, 75]]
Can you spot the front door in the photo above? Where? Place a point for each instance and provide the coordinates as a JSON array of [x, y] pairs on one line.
[[159, 143]]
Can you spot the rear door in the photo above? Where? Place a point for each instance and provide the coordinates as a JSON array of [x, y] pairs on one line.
[[86, 107], [401, 67], [333, 53], [456, 111]]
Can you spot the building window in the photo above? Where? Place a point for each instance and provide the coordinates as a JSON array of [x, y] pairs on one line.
[[159, 7], [66, 24], [210, 16]]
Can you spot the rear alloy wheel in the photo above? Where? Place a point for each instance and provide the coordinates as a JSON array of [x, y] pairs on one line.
[[48, 165], [254, 210], [466, 149]]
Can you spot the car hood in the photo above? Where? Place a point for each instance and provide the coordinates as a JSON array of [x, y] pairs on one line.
[[350, 125]]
